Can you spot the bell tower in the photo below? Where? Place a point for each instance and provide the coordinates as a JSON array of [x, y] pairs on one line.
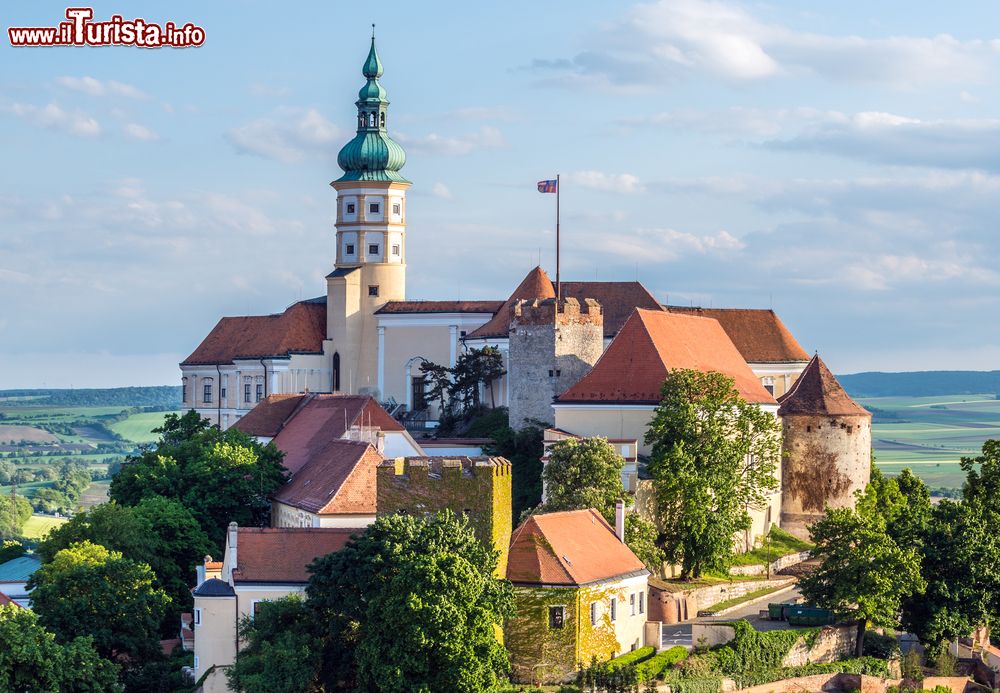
[[371, 237]]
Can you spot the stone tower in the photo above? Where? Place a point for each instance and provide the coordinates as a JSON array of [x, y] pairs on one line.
[[827, 448], [371, 239], [552, 345]]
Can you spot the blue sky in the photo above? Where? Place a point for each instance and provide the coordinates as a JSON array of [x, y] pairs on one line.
[[837, 161]]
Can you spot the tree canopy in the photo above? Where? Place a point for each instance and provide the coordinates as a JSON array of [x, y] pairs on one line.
[[14, 512], [458, 388], [280, 654], [583, 473], [219, 476], [713, 458]]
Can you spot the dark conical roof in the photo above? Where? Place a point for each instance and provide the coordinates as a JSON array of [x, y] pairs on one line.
[[818, 392], [214, 587]]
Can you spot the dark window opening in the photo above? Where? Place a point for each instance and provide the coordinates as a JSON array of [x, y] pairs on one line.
[[246, 392], [336, 372], [396, 208], [373, 290], [350, 249], [770, 389], [395, 249], [556, 616], [207, 394], [260, 391], [417, 387], [373, 207], [222, 393], [350, 208], [184, 393], [373, 248]]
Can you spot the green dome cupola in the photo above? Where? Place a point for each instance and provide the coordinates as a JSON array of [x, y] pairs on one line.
[[372, 155]]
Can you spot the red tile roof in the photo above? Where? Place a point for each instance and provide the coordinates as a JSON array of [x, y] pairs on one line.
[[759, 334], [281, 554], [536, 285], [818, 392], [328, 416], [651, 343], [5, 600], [393, 307], [575, 547], [338, 477], [300, 329]]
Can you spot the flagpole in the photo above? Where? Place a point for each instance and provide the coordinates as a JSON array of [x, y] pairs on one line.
[[558, 283]]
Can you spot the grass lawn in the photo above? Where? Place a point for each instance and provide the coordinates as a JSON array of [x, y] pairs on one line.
[[782, 543], [38, 526], [677, 585], [736, 601], [139, 427]]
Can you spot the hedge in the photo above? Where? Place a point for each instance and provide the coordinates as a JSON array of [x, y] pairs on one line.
[[653, 667], [633, 657]]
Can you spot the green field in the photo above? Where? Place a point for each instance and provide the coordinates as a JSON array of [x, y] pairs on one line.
[[930, 434], [38, 526], [139, 427]]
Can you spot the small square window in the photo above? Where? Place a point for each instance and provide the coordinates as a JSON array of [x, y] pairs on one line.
[[557, 616], [373, 208], [373, 248], [373, 290], [462, 333], [396, 209], [350, 208], [349, 250], [395, 249]]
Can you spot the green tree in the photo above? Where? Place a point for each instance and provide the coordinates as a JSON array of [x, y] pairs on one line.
[[713, 458], [219, 476], [281, 653], [903, 502], [460, 385], [412, 605], [14, 512], [11, 549], [640, 536], [524, 450], [583, 473], [863, 572], [87, 590], [111, 525], [32, 660]]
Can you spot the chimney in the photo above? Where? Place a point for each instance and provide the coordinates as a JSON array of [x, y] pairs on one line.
[[200, 571], [231, 544], [620, 520]]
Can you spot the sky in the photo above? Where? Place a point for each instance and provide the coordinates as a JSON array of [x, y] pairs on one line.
[[837, 162]]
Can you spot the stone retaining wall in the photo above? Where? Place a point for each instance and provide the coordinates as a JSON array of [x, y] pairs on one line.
[[780, 564]]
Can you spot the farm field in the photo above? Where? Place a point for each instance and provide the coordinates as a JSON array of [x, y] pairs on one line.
[[138, 428], [930, 434], [38, 526]]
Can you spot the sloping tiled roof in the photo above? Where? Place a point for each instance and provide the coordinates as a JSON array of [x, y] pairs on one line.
[[535, 285], [395, 307], [818, 392], [281, 554], [5, 600], [759, 334], [298, 422], [651, 343], [338, 477], [300, 329], [575, 547], [617, 299]]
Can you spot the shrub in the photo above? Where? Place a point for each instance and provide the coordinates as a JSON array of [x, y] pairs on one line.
[[912, 667], [880, 646], [653, 667], [633, 657]]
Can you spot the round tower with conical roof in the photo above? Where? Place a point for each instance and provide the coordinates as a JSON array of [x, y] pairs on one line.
[[827, 448], [371, 238]]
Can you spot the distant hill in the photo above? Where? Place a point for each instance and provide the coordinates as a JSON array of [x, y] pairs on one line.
[[921, 383], [158, 397]]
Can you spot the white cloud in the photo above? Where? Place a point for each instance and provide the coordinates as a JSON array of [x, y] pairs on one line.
[[96, 87], [610, 182], [53, 117], [140, 132], [667, 245], [486, 137], [441, 190], [289, 135]]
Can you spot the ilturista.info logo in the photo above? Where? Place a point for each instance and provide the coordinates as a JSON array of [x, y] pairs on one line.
[[80, 29]]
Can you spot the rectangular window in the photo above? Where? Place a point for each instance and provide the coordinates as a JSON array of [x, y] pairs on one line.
[[350, 208], [207, 394], [349, 250], [395, 209], [373, 248], [246, 392], [197, 617], [631, 603], [593, 613], [260, 391], [184, 392], [614, 608], [556, 616], [373, 208], [222, 394], [373, 290], [642, 602], [395, 249], [255, 607]]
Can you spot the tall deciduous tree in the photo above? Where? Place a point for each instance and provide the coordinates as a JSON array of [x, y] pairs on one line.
[[583, 473], [460, 385], [863, 572], [412, 605], [713, 458], [281, 654], [87, 590], [219, 476]]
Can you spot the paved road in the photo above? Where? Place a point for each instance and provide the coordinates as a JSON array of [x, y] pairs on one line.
[[680, 633]]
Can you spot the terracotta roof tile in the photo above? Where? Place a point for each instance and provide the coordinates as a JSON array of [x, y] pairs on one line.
[[5, 600], [759, 334], [300, 329], [312, 417], [281, 554], [818, 392], [393, 307], [269, 415], [536, 285], [575, 547], [338, 477], [651, 343]]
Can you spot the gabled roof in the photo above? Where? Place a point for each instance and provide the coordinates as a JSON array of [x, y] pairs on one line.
[[281, 554], [338, 477], [6, 601], [617, 299], [301, 329], [535, 285], [19, 569], [575, 547], [406, 307], [312, 418], [759, 334], [651, 343], [818, 392]]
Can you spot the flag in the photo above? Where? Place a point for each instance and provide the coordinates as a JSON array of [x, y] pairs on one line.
[[547, 186]]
